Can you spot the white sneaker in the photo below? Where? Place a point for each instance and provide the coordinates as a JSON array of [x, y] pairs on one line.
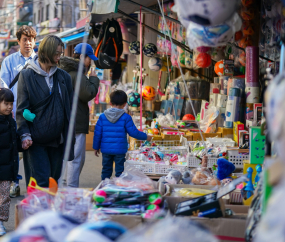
[[14, 190], [2, 229]]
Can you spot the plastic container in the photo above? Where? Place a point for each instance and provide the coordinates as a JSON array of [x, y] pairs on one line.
[[222, 142]]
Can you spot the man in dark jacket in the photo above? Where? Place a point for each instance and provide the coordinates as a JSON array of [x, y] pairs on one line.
[[88, 91]]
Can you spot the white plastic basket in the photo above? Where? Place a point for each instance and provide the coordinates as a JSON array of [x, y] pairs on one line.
[[222, 142], [164, 169], [237, 156], [145, 167]]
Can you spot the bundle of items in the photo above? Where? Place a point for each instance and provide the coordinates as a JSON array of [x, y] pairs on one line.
[[199, 149]]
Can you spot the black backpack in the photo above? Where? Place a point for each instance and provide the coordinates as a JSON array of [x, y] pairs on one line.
[[110, 45]]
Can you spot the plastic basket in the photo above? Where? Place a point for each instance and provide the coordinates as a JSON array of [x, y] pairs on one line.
[[164, 169], [145, 167], [222, 142], [237, 156]]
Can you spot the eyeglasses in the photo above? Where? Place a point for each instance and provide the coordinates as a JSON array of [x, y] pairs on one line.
[[59, 54]]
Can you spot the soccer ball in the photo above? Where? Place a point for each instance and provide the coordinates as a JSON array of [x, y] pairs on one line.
[[148, 93], [219, 68], [203, 60], [52, 224], [134, 47], [134, 99], [206, 12], [149, 50], [155, 64]]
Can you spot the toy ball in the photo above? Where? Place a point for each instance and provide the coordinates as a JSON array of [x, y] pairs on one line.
[[134, 47], [153, 208], [149, 131], [247, 29], [244, 42], [206, 13], [97, 231], [155, 198], [219, 68], [134, 99], [155, 64], [246, 3], [99, 196], [242, 58], [203, 60], [155, 131], [203, 49], [149, 50], [148, 93], [188, 117], [247, 13], [55, 225], [180, 124], [238, 35]]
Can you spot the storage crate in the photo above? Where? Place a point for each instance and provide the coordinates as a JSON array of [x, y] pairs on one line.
[[145, 167], [237, 156], [222, 142], [164, 169]]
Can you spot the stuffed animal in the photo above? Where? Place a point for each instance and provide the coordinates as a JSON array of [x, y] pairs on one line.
[[225, 169], [175, 177]]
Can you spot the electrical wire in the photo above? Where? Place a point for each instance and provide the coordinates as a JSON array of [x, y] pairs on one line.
[[182, 75]]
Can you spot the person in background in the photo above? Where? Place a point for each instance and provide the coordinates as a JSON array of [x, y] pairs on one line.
[[8, 153], [47, 91], [88, 91], [110, 135], [11, 66]]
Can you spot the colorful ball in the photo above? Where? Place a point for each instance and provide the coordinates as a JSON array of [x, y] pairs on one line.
[[99, 196], [155, 198], [153, 207], [134, 47], [188, 117], [203, 49], [203, 60], [155, 131], [149, 50], [155, 64], [148, 93], [134, 99], [219, 68]]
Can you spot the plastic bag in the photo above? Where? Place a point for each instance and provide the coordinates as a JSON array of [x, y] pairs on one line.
[[203, 176], [208, 124], [190, 192], [132, 177], [168, 230]]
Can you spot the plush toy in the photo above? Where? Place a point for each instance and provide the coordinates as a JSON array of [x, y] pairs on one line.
[[175, 176], [225, 169]]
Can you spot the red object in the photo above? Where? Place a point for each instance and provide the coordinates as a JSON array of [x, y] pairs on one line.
[[244, 42], [188, 117], [238, 35], [242, 58], [155, 131], [203, 49], [203, 60], [247, 28], [246, 3], [174, 158], [216, 90], [247, 13]]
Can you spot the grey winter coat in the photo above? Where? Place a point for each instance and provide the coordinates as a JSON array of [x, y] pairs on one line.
[[88, 91]]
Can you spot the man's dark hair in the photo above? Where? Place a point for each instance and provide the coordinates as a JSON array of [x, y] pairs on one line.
[[77, 56], [118, 97], [26, 30], [48, 47], [6, 95]]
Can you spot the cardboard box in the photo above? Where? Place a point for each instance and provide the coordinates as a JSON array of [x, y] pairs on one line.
[[238, 209], [214, 99], [237, 127], [243, 137], [257, 112], [226, 132], [89, 141], [249, 123], [197, 136]]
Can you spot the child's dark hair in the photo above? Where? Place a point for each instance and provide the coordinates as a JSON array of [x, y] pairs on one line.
[[6, 95], [118, 97]]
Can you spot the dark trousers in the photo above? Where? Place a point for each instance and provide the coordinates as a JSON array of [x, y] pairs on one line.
[[41, 162], [107, 163]]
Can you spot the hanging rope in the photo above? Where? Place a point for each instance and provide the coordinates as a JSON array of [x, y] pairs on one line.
[[141, 66]]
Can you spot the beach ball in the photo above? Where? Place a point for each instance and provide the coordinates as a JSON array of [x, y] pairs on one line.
[[148, 93], [219, 68], [134, 99], [203, 60], [149, 50], [155, 64], [134, 47]]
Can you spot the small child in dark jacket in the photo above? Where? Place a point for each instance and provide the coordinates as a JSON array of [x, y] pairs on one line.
[[110, 135], [8, 154]]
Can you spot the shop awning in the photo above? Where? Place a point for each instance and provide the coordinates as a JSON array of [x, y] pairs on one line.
[[73, 37]]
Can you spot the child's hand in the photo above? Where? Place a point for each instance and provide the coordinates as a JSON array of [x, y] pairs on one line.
[[149, 138], [97, 153], [26, 144]]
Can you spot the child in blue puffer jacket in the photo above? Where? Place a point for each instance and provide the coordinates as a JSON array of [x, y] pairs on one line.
[[110, 135]]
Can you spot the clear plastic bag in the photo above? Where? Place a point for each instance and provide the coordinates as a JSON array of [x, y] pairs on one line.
[[208, 124]]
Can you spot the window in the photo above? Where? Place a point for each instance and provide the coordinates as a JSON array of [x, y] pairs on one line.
[[42, 17], [39, 16], [47, 12]]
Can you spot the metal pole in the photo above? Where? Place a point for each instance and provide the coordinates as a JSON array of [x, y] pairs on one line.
[[154, 12]]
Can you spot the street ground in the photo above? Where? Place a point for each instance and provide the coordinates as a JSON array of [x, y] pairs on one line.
[[89, 178]]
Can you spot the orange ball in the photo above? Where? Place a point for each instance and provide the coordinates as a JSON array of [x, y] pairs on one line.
[[148, 93], [203, 60], [188, 117], [219, 68], [244, 42], [155, 131]]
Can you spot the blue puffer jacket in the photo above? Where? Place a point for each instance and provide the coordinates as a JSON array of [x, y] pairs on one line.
[[111, 131]]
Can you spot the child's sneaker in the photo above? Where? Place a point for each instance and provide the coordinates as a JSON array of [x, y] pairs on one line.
[[14, 190], [2, 229]]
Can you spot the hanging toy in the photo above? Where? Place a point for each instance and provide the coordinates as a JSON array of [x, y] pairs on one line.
[[134, 47], [134, 99], [219, 68], [149, 50], [155, 64], [148, 93], [203, 60]]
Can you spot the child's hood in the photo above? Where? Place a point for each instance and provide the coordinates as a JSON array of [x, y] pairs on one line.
[[114, 114]]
